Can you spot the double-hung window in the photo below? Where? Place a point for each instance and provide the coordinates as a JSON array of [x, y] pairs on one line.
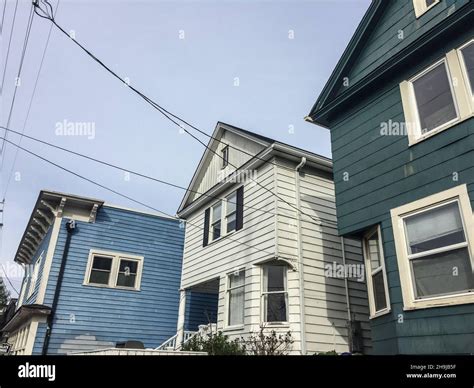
[[275, 293], [440, 96], [224, 216], [235, 298], [225, 156], [434, 240], [379, 302], [114, 270]]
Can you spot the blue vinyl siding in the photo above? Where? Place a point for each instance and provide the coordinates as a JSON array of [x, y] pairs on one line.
[[89, 317], [201, 309]]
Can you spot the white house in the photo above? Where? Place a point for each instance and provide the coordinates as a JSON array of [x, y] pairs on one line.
[[251, 257]]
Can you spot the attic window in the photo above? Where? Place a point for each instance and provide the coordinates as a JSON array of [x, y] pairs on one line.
[[422, 6], [225, 156]]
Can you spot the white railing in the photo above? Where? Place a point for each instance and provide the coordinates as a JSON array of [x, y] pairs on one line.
[[170, 344]]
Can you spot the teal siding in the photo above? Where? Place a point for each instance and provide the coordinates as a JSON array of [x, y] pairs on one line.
[[89, 317], [384, 173], [384, 42]]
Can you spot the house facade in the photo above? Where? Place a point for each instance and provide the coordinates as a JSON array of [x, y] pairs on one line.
[[95, 275], [251, 258], [399, 106]]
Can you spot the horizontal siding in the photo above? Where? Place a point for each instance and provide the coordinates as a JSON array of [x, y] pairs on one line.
[[93, 317], [325, 298]]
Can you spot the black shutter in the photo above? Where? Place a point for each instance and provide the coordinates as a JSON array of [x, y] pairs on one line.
[[239, 222], [205, 239]]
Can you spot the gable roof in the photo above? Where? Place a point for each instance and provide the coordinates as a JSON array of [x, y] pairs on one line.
[[269, 148], [452, 17], [366, 26]]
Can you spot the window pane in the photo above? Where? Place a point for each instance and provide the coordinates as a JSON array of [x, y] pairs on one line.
[[231, 203], [128, 266], [236, 306], [125, 280], [379, 291], [434, 99], [216, 230], [373, 250], [231, 222], [225, 156], [100, 262], [275, 278], [434, 228], [275, 307], [216, 212], [443, 273], [430, 2], [468, 55], [99, 277], [237, 280]]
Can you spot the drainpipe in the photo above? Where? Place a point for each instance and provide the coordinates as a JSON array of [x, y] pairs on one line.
[[300, 258], [70, 227], [346, 287]]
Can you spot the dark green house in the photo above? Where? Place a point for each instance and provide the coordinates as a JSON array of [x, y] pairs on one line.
[[399, 105]]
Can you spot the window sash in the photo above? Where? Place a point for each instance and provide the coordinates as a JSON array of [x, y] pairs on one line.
[[225, 156], [468, 76], [265, 293], [223, 222], [235, 317]]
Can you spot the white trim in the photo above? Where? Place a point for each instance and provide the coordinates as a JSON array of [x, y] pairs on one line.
[[227, 299], [464, 73], [459, 85], [461, 196], [421, 7], [34, 274], [116, 257], [49, 260], [369, 273]]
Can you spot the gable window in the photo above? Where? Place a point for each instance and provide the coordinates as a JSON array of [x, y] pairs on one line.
[[467, 58], [422, 6], [224, 217], [440, 96], [275, 294], [376, 274], [434, 249], [235, 298], [225, 156], [114, 270]]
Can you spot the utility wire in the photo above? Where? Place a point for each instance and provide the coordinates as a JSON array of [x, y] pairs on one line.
[[30, 105], [9, 43], [3, 16], [48, 14], [124, 195], [25, 45], [139, 174], [9, 281]]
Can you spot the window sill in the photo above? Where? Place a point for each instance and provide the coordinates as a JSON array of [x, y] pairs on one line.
[[110, 288], [276, 325], [441, 301], [380, 313], [441, 128], [233, 328], [222, 237]]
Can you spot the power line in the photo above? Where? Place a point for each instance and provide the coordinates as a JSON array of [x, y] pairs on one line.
[[3, 16], [9, 43], [30, 104], [139, 174], [9, 281], [25, 45], [47, 14], [124, 195]]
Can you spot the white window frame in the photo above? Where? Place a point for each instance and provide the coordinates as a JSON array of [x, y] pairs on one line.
[[224, 215], [114, 270], [421, 7], [465, 75], [34, 275], [227, 300], [462, 99], [370, 273], [263, 314], [457, 194], [225, 156]]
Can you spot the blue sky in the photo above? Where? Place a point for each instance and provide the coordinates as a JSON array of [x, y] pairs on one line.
[[279, 80]]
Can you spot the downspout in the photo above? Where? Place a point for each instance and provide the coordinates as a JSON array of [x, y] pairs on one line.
[[346, 287], [70, 227], [300, 258]]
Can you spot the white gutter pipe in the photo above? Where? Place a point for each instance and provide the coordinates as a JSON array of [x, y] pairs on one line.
[[300, 257]]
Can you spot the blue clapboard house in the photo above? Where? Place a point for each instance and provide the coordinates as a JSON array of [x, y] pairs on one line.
[[96, 276]]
